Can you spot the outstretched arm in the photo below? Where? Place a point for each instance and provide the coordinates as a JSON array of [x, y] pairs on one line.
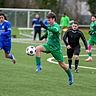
[[64, 38], [84, 41], [44, 36]]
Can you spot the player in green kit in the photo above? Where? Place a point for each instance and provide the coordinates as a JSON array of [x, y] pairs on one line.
[[92, 39], [52, 46]]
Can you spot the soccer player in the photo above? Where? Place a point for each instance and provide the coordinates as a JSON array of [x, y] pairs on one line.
[[71, 39], [52, 46], [92, 39], [36, 23], [64, 23], [5, 37]]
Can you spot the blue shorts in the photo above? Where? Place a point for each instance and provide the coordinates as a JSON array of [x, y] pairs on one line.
[[6, 46]]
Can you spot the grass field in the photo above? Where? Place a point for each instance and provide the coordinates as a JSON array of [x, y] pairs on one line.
[[22, 80]]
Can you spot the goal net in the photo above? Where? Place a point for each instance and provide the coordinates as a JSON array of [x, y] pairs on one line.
[[22, 19]]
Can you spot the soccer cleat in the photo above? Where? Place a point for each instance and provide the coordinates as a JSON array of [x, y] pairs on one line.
[[70, 80], [39, 68], [76, 71], [89, 59], [14, 60]]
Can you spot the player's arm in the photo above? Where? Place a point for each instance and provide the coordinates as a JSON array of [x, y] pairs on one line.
[[65, 38], [33, 21], [54, 29], [92, 32], [44, 36], [61, 21], [7, 30], [94, 29], [84, 40]]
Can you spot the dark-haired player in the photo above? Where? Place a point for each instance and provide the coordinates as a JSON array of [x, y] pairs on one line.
[[92, 39], [5, 37], [71, 39], [53, 45]]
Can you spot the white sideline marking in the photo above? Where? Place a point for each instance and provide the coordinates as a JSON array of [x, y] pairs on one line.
[[51, 61]]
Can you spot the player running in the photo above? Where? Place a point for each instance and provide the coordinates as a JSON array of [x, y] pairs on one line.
[[5, 37], [53, 45], [92, 39], [71, 39]]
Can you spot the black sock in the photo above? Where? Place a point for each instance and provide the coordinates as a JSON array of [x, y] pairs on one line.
[[76, 64], [70, 63]]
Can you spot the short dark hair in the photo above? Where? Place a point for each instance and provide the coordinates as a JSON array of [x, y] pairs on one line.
[[51, 15], [2, 14], [94, 15], [75, 22], [65, 14]]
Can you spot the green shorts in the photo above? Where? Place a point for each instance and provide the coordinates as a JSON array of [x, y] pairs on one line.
[[57, 54], [92, 40]]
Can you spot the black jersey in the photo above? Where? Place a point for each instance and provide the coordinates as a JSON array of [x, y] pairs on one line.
[[72, 37]]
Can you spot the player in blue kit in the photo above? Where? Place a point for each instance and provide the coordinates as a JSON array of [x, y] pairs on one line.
[[36, 24], [5, 37]]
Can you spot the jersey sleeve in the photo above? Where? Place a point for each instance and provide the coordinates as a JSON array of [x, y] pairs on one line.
[[84, 40], [44, 36], [7, 29], [65, 37]]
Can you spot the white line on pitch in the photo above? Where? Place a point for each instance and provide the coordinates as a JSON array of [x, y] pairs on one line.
[[52, 58]]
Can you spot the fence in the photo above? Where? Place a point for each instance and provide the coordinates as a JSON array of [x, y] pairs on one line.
[[23, 17]]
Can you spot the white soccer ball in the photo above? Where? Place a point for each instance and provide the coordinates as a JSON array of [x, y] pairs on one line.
[[30, 50]]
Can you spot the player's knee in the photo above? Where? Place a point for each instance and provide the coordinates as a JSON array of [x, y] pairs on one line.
[[69, 58], [38, 49], [76, 57], [63, 65]]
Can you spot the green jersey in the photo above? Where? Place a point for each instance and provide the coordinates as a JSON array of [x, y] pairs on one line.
[[65, 21], [53, 45], [93, 28], [54, 36], [92, 32]]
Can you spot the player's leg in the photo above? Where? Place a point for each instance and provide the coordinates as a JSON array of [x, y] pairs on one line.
[[39, 49], [35, 33], [70, 55], [8, 54], [39, 33], [59, 57], [76, 55], [76, 63], [91, 43], [89, 59], [67, 70]]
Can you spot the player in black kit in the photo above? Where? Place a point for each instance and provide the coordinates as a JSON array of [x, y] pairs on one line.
[[71, 38]]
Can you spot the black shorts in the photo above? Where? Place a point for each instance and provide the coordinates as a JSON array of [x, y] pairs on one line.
[[74, 50]]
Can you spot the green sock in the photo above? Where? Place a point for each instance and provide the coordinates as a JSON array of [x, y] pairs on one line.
[[38, 61], [90, 54], [68, 72]]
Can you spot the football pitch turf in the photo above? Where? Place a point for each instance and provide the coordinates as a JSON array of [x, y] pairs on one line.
[[22, 80]]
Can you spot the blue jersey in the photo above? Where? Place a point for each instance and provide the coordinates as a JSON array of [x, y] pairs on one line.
[[5, 36], [36, 23], [5, 31]]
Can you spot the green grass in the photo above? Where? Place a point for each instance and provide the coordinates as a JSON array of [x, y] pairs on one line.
[[22, 80], [15, 31]]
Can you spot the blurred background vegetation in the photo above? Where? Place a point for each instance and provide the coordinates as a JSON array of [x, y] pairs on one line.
[[79, 10]]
